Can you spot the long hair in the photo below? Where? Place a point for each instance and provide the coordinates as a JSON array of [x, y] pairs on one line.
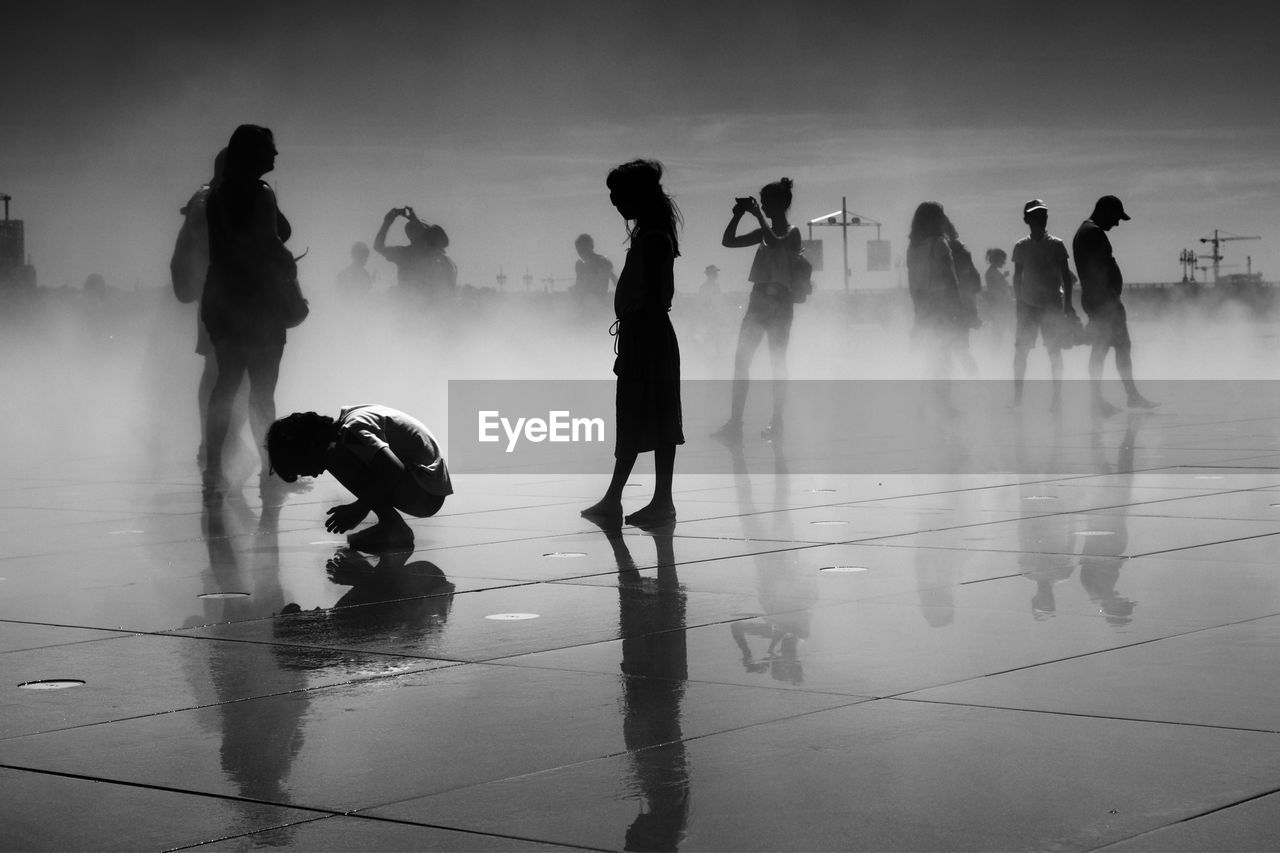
[[246, 142], [930, 221], [642, 180]]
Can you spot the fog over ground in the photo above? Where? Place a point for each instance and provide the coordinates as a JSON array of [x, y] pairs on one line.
[[500, 120]]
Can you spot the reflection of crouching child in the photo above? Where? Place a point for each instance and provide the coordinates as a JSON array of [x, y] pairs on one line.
[[387, 459]]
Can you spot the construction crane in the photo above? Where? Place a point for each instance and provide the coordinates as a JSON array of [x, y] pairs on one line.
[[1216, 241]]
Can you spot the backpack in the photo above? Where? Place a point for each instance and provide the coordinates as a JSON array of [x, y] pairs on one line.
[[189, 265], [799, 275]]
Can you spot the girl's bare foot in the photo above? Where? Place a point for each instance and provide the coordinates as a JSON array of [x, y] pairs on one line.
[[653, 515], [606, 511]]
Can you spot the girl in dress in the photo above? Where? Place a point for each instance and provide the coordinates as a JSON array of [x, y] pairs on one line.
[[648, 362]]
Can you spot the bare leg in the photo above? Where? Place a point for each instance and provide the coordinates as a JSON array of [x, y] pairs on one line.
[[1097, 358], [1020, 354], [662, 509], [264, 370], [749, 337], [1124, 365], [609, 508], [390, 532], [203, 391], [1055, 369], [231, 367], [778, 357]]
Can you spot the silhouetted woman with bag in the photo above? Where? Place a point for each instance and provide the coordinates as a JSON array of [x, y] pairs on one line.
[[244, 307]]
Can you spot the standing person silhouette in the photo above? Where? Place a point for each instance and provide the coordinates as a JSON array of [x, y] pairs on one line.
[[998, 295], [969, 285], [648, 362], [1100, 286], [1042, 286], [935, 294], [189, 268], [424, 273], [354, 280], [770, 308], [592, 273], [247, 254]]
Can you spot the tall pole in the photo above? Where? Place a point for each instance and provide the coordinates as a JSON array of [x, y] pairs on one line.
[[844, 233], [1216, 256]]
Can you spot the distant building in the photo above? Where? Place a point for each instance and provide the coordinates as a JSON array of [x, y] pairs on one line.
[[15, 272]]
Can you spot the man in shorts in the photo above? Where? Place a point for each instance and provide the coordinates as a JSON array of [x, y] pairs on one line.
[[1042, 290], [1100, 286]]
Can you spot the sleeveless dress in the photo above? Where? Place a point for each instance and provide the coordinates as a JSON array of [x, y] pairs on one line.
[[648, 363]]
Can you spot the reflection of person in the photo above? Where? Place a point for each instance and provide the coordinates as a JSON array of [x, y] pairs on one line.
[[247, 254], [935, 294], [593, 272], [655, 669], [355, 280], [423, 271], [387, 459], [1100, 286], [414, 597], [1102, 551], [1042, 286], [648, 362], [770, 308], [786, 590], [259, 742]]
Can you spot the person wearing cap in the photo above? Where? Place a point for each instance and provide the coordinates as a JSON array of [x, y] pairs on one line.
[[711, 285], [1042, 289], [1100, 286]]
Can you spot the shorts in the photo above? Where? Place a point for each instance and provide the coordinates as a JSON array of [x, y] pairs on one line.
[[1109, 327], [1045, 321], [771, 308]]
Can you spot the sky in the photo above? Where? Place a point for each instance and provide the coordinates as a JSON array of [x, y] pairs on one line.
[[500, 120]]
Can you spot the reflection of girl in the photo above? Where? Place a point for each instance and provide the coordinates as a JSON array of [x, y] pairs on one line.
[[387, 459], [247, 255], [771, 308], [648, 362]]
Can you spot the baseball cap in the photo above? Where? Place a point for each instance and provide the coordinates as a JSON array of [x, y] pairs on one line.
[[1034, 204], [1112, 204]]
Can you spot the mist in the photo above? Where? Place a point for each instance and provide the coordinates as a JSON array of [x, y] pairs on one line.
[[499, 121]]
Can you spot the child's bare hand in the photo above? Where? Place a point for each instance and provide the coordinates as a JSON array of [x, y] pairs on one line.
[[344, 517]]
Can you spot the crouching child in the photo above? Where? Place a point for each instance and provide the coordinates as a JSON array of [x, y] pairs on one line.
[[389, 460]]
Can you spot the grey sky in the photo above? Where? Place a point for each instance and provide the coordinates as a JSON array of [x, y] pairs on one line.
[[500, 119]]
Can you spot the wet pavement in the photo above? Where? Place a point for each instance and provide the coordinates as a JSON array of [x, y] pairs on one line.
[[978, 660]]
